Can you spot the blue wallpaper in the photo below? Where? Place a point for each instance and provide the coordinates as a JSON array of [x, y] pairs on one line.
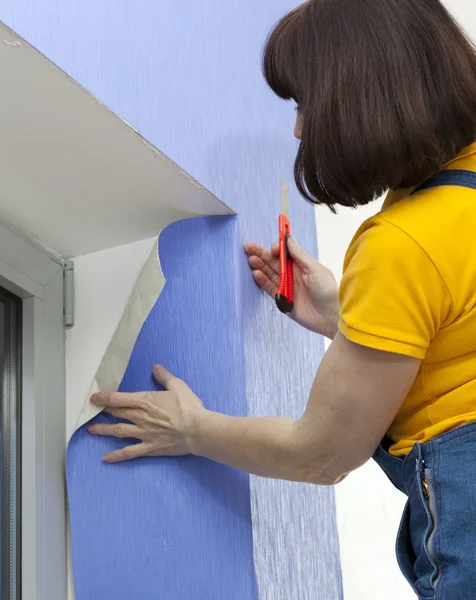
[[186, 74], [171, 528]]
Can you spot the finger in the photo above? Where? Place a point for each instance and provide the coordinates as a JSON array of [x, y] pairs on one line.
[[266, 256], [300, 257], [265, 283], [275, 249], [252, 248], [129, 414], [118, 399], [127, 453], [272, 272], [118, 430], [166, 379]]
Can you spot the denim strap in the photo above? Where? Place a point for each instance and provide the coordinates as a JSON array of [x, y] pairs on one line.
[[459, 178]]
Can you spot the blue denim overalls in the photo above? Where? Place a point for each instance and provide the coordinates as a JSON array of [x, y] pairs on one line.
[[436, 543]]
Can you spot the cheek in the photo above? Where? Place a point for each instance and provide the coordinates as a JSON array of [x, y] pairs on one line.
[[298, 127]]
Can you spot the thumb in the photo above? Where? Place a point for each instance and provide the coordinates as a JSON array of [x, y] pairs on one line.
[[300, 257], [164, 378]]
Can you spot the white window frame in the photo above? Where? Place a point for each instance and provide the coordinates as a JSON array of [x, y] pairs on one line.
[[36, 275]]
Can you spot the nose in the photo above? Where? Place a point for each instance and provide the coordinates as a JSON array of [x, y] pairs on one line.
[[298, 126]]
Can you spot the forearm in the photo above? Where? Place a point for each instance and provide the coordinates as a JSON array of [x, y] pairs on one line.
[[267, 446], [262, 446]]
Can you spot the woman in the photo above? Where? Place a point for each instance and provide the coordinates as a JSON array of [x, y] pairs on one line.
[[386, 97]]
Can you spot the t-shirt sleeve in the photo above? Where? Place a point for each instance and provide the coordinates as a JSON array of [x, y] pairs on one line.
[[392, 296]]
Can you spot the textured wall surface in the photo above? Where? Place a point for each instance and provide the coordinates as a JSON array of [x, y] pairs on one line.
[[187, 76]]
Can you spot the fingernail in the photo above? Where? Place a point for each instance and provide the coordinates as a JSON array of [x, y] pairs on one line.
[[157, 368], [106, 458], [93, 399]]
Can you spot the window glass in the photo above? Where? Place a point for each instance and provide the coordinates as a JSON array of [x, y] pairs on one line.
[[10, 471]]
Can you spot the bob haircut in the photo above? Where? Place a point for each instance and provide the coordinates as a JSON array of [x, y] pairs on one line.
[[387, 92]]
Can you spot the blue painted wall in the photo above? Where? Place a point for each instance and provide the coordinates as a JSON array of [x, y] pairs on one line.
[[186, 74]]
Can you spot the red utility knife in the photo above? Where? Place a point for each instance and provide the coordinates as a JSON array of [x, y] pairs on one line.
[[285, 292]]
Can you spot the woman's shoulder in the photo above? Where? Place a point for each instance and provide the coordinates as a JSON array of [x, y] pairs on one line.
[[432, 218], [431, 230], [382, 237]]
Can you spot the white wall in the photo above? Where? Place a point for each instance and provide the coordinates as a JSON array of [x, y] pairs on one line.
[[465, 12]]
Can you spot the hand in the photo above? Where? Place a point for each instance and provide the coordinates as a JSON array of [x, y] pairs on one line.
[[162, 421], [316, 304]]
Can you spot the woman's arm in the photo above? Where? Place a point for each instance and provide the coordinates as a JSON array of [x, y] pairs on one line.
[[356, 395]]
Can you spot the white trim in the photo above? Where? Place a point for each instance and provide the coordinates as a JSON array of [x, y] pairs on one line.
[[37, 278], [74, 174]]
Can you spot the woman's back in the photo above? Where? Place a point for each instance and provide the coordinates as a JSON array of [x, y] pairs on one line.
[[410, 287]]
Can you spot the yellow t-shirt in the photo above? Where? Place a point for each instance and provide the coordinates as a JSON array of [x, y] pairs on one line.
[[409, 287]]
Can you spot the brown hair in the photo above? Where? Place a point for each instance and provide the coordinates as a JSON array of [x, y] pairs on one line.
[[387, 90]]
